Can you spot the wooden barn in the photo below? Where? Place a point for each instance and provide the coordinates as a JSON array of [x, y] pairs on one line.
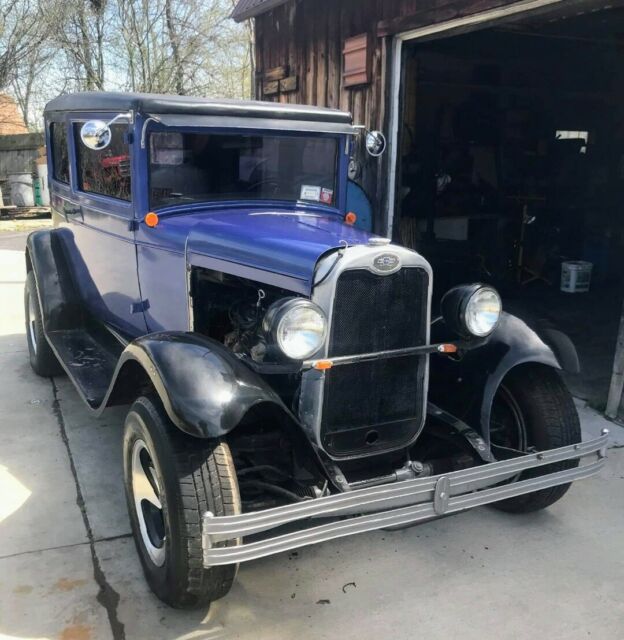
[[505, 130]]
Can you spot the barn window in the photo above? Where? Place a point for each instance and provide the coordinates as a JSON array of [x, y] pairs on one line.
[[560, 134], [356, 55]]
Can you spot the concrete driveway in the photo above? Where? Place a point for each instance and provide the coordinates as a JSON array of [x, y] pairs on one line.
[[68, 568]]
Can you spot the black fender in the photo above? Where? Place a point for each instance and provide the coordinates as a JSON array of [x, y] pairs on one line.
[[60, 301], [205, 389], [465, 386]]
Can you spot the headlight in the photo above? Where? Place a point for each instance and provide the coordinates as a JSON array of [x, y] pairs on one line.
[[297, 326], [483, 311], [472, 310]]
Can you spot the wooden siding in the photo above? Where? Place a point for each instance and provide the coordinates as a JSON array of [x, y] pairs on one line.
[[308, 36]]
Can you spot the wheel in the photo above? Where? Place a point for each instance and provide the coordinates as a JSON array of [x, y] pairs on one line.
[[171, 480], [42, 358], [533, 408]]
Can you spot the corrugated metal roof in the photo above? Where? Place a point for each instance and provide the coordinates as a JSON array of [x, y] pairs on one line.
[[250, 8]]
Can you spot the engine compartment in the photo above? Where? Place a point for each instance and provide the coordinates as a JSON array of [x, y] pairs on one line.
[[230, 309]]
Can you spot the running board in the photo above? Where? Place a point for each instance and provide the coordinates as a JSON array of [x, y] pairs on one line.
[[89, 357], [401, 503]]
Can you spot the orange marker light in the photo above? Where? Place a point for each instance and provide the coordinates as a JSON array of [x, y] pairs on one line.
[[151, 219], [447, 348], [323, 365], [350, 218]]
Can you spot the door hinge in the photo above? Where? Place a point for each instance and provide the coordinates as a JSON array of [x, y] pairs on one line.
[[139, 307]]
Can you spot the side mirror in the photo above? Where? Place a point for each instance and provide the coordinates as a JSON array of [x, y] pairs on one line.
[[95, 135], [375, 143]]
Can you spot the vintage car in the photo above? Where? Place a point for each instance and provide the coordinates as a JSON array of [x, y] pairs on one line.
[[288, 381]]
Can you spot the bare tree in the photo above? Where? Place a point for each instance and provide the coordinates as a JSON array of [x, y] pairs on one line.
[[187, 47], [21, 32], [172, 46], [142, 38], [174, 39], [80, 35], [249, 63], [30, 73]]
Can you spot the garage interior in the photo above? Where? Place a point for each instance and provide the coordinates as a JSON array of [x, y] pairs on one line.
[[512, 162]]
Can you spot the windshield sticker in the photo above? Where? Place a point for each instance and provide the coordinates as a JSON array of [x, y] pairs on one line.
[[327, 196], [309, 192]]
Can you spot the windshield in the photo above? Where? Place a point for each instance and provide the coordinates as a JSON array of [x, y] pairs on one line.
[[199, 167]]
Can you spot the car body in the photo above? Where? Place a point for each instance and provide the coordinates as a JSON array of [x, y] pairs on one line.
[[197, 255]]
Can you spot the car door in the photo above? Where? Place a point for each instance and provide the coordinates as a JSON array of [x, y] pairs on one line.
[[100, 214]]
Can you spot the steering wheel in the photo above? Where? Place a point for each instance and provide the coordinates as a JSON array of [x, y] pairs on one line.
[[273, 184]]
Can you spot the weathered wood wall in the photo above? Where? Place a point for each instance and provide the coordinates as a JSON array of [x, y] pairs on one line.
[[18, 154], [308, 36]]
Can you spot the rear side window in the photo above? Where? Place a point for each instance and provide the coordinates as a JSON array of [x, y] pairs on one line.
[[60, 155], [106, 172]]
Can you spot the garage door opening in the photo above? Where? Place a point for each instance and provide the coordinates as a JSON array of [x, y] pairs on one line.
[[511, 162]]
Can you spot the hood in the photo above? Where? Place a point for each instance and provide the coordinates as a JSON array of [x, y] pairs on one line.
[[286, 244]]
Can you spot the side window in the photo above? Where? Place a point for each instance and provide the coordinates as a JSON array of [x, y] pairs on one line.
[[60, 155], [106, 172]]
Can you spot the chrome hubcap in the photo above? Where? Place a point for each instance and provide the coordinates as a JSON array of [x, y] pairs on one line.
[[31, 321], [147, 504], [508, 431]]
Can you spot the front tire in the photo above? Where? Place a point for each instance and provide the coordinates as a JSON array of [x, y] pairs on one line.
[[533, 408], [171, 480]]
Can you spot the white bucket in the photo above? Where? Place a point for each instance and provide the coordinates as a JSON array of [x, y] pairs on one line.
[[22, 189], [42, 172], [576, 276]]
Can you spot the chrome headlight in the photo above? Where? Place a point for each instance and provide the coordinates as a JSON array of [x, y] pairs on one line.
[[472, 310], [483, 311], [297, 326]]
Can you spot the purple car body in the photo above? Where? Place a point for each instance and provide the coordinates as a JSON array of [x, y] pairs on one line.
[[282, 364]]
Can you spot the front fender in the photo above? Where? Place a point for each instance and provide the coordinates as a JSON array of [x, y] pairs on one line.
[[204, 388], [466, 386]]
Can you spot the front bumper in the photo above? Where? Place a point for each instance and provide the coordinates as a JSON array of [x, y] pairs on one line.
[[401, 503]]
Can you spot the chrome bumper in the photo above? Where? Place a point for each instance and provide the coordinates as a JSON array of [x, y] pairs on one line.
[[401, 503]]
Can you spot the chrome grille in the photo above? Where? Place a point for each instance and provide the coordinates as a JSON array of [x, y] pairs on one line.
[[379, 312], [378, 404]]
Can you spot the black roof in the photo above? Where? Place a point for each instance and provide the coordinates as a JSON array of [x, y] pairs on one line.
[[152, 103], [245, 9]]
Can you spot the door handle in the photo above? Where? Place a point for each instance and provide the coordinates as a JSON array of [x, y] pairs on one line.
[[72, 212]]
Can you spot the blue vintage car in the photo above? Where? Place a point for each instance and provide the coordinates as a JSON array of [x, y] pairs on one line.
[[288, 381]]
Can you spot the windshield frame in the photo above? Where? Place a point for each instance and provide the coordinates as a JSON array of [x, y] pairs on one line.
[[341, 165]]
